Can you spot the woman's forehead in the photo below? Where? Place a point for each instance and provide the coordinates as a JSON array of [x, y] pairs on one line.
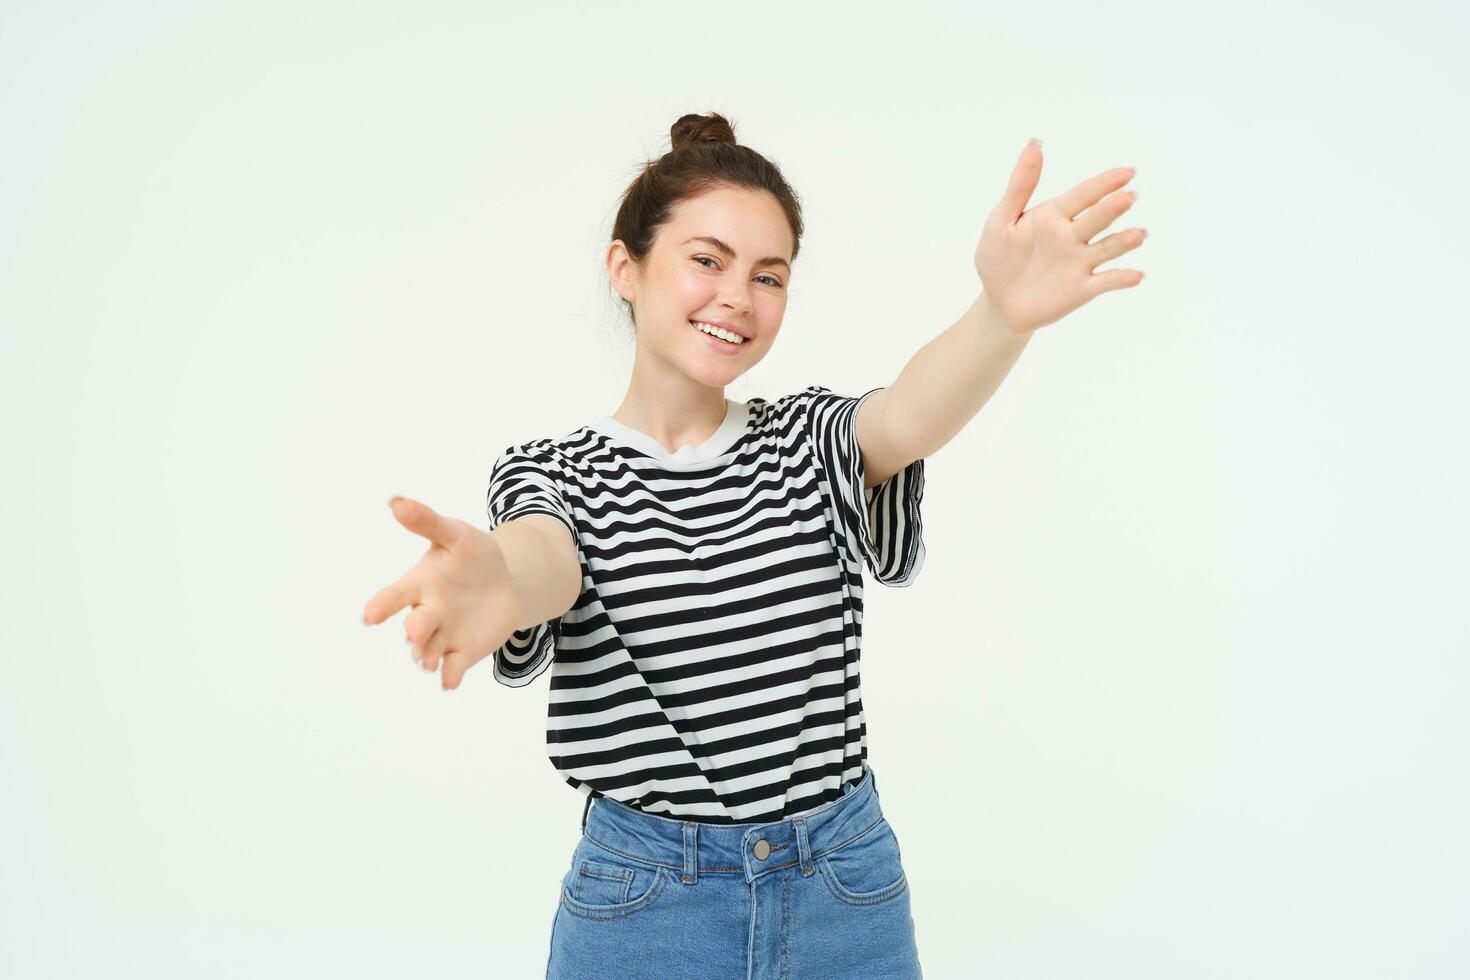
[[751, 227]]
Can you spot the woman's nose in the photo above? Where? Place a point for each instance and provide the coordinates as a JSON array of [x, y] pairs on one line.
[[735, 300]]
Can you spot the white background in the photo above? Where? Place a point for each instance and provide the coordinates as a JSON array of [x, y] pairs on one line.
[[1180, 691]]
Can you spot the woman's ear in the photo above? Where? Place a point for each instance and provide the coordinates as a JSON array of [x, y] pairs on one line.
[[622, 270]]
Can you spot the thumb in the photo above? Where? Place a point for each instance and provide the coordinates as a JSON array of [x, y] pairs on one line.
[[422, 520], [1024, 178]]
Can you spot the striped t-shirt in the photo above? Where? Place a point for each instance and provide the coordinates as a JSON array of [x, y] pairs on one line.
[[709, 669]]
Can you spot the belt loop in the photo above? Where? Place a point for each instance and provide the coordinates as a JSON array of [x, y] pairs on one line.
[[584, 812], [803, 847], [691, 852]]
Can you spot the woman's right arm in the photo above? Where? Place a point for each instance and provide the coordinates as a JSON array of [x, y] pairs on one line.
[[544, 568]]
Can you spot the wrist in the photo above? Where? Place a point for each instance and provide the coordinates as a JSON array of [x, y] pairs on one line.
[[993, 317]]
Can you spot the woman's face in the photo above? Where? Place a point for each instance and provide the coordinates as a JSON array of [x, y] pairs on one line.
[[687, 275]]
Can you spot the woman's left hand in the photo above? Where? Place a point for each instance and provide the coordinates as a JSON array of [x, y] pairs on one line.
[[1036, 266]]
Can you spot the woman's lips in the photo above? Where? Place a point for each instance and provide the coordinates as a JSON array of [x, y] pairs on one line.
[[723, 346]]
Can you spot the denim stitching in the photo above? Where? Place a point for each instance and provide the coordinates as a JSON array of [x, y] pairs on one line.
[[775, 867], [678, 869], [871, 898], [785, 963], [634, 857], [584, 911], [855, 898], [591, 868]]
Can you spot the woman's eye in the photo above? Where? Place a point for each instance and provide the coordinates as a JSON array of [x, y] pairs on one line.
[[701, 259]]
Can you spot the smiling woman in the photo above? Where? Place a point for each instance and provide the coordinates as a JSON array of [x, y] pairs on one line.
[[700, 281], [705, 674], [711, 706]]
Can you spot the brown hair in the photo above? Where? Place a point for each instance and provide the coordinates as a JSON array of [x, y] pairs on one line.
[[702, 155]]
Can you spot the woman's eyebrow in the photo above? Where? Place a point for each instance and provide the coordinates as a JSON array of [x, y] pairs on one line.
[[718, 245]]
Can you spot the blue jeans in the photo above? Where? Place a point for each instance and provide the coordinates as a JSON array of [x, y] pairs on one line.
[[821, 896]]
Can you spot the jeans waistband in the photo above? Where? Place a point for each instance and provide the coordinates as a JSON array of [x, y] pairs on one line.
[[691, 848]]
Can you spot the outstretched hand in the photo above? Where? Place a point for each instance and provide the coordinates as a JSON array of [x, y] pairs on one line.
[[1036, 266], [461, 599]]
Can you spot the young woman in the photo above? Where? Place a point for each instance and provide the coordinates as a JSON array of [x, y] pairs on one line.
[[691, 569]]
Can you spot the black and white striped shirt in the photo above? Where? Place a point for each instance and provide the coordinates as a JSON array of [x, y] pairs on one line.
[[709, 669]]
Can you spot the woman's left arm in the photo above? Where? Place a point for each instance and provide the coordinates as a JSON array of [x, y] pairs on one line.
[[1035, 267]]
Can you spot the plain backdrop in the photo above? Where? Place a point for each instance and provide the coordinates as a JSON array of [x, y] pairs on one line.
[[1180, 691]]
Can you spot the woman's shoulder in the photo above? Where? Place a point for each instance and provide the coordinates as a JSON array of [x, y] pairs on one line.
[[540, 457], [797, 399], [560, 449], [808, 400]]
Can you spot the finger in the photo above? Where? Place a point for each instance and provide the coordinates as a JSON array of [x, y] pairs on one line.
[[433, 648], [419, 627], [1115, 245], [1090, 191], [1104, 282], [456, 662], [1024, 178], [421, 519], [389, 599], [414, 653], [1100, 215]]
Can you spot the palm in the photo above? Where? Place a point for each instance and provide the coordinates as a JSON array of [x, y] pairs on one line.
[[460, 577], [1037, 266], [463, 602]]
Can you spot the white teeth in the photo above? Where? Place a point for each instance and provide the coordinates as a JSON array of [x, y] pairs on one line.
[[720, 332]]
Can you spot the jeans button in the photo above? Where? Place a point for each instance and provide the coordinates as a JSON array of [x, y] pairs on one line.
[[762, 849]]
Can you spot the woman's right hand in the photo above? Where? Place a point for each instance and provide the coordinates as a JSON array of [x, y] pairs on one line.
[[464, 603]]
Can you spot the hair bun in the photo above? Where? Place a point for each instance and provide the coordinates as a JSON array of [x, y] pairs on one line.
[[694, 128]]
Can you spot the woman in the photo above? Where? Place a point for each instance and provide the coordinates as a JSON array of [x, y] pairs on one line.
[[690, 567]]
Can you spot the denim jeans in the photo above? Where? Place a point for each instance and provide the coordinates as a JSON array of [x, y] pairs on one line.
[[821, 896]]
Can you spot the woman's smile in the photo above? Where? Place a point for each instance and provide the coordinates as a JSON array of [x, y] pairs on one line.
[[718, 343]]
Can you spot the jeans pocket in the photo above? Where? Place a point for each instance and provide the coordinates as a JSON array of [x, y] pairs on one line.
[[866, 870], [604, 884], [600, 883]]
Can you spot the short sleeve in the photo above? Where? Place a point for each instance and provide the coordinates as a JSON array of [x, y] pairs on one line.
[[882, 523], [523, 481]]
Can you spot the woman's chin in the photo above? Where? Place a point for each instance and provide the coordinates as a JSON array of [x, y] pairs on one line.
[[714, 371], [713, 367]]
